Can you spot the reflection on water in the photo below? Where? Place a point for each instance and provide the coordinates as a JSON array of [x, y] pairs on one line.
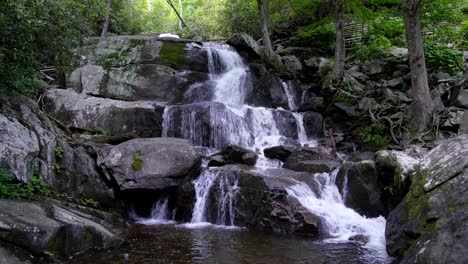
[[179, 244]]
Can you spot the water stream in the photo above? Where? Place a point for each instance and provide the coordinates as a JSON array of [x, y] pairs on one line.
[[231, 121]]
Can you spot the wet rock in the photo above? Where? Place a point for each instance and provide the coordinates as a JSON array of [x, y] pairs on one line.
[[430, 225], [349, 110], [267, 89], [151, 163], [360, 238], [361, 156], [311, 104], [310, 160], [313, 124], [143, 118], [51, 228], [236, 154], [292, 64], [245, 43], [279, 152], [216, 161], [359, 184]]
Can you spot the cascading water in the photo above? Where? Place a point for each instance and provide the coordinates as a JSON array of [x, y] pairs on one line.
[[160, 214], [342, 223], [226, 120]]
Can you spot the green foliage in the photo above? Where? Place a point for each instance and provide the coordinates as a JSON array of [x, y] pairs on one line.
[[378, 47], [12, 189], [388, 26], [58, 152], [172, 53], [440, 58], [320, 36], [89, 202], [376, 135], [137, 162], [462, 38]]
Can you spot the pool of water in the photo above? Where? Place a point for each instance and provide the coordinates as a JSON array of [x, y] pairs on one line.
[[171, 243]]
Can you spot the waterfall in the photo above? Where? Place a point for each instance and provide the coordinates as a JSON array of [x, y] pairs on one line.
[[160, 214], [341, 222], [224, 195], [290, 96]]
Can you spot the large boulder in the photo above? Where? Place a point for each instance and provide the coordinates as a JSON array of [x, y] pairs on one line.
[[310, 160], [27, 139], [430, 225], [279, 152], [267, 89], [245, 44], [359, 184], [50, 228], [135, 82], [151, 163], [254, 199], [236, 154], [79, 111], [313, 124]]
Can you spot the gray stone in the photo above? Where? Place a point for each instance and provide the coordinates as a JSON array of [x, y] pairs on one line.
[[236, 154], [359, 184], [374, 67], [50, 228], [349, 110], [399, 52], [150, 163], [462, 98], [403, 164], [292, 64], [313, 124], [310, 160], [143, 118], [464, 125], [245, 43], [267, 89], [279, 152]]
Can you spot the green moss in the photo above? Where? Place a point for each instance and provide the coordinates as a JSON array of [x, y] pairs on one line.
[[137, 162], [172, 54]]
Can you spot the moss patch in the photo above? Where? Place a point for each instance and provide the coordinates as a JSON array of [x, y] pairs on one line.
[[137, 162], [172, 54]]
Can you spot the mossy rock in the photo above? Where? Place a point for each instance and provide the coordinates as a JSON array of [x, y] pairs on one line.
[[172, 54]]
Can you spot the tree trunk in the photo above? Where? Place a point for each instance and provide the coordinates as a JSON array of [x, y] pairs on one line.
[[263, 12], [105, 27], [181, 14], [422, 107], [340, 49]]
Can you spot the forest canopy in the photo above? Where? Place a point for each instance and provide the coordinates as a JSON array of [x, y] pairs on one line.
[[37, 33]]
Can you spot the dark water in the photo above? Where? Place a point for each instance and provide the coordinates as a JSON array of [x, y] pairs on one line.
[[179, 244]]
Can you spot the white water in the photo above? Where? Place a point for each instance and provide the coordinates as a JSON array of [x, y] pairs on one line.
[[257, 128], [341, 222], [160, 214]]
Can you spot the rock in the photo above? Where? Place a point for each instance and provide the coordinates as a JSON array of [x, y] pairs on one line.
[[374, 67], [311, 104], [430, 225], [399, 52], [361, 156], [279, 152], [359, 184], [462, 98], [316, 63], [216, 161], [313, 124], [261, 200], [8, 256], [53, 229], [455, 118], [349, 110], [396, 83], [150, 163], [402, 164], [245, 43], [310, 160], [27, 139], [267, 89], [292, 64], [464, 125], [367, 103], [78, 111], [359, 238], [236, 154]]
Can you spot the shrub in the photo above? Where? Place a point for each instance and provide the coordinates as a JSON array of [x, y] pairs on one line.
[[440, 58], [378, 47], [376, 135], [137, 162], [320, 36]]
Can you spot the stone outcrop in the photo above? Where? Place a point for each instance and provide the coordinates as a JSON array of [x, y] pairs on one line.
[[82, 112], [49, 228], [245, 44], [430, 225], [310, 160], [151, 163]]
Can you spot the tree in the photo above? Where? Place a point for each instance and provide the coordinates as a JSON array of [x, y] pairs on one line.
[[105, 27], [422, 107], [340, 48], [264, 24]]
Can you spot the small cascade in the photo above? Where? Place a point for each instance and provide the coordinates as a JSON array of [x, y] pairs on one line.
[[290, 95], [160, 214], [216, 195], [342, 223]]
